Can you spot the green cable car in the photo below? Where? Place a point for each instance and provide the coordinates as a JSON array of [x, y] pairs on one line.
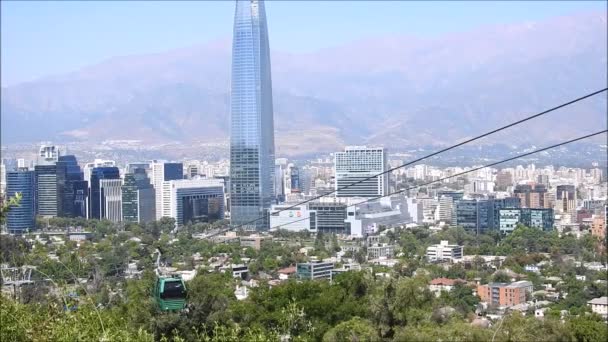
[[170, 290], [170, 293]]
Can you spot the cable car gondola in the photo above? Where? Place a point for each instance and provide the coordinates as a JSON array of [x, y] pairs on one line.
[[170, 290]]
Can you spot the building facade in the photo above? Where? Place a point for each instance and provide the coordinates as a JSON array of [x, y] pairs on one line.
[[111, 199], [161, 172], [530, 217], [138, 197], [96, 204], [444, 252], [251, 119], [194, 200], [357, 169], [50, 186], [21, 218], [505, 294], [314, 270]]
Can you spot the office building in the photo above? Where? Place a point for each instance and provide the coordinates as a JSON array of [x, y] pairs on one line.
[[295, 180], [49, 189], [565, 196], [96, 203], [20, 219], [504, 294], [161, 172], [504, 180], [530, 217], [532, 197], [111, 199], [314, 270], [138, 197], [366, 218], [194, 200], [444, 252], [88, 167], [353, 168], [75, 187], [330, 217], [2, 180], [251, 113], [467, 215], [482, 215], [445, 209]]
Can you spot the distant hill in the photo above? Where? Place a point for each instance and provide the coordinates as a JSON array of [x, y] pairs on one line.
[[397, 90]]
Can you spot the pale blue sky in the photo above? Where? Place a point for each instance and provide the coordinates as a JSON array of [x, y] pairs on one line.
[[45, 38]]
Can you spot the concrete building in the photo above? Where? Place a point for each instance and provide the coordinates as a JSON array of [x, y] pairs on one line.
[[330, 217], [532, 197], [161, 172], [254, 241], [444, 252], [439, 285], [111, 199], [598, 226], [380, 251], [298, 218], [314, 270], [599, 306], [354, 165], [193, 200], [505, 294]]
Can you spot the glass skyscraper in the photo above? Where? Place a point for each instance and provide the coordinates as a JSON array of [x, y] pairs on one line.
[[20, 218], [251, 118]]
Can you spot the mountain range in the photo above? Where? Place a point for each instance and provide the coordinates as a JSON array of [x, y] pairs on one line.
[[396, 91]]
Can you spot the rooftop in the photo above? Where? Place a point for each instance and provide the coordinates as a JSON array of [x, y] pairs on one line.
[[599, 301]]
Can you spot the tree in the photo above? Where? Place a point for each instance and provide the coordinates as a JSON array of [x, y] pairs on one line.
[[354, 330]]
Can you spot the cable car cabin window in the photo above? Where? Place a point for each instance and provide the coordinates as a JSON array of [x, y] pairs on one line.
[[173, 289]]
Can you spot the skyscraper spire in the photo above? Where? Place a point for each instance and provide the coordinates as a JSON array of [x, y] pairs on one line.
[[251, 117]]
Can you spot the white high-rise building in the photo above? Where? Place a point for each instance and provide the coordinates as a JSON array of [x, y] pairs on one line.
[[2, 180], [161, 172], [111, 199], [356, 164]]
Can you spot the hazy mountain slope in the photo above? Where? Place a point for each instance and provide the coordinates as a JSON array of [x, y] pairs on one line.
[[392, 90]]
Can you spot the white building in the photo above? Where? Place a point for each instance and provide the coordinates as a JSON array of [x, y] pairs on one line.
[[444, 252], [161, 171], [356, 164], [2, 180], [111, 199], [295, 219], [599, 306]]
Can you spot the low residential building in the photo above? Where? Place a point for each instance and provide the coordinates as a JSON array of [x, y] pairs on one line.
[[599, 306], [287, 272], [253, 241], [381, 250], [438, 285], [598, 227], [444, 252], [314, 270], [505, 294]]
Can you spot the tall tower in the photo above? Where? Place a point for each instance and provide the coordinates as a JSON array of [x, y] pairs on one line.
[[251, 118]]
